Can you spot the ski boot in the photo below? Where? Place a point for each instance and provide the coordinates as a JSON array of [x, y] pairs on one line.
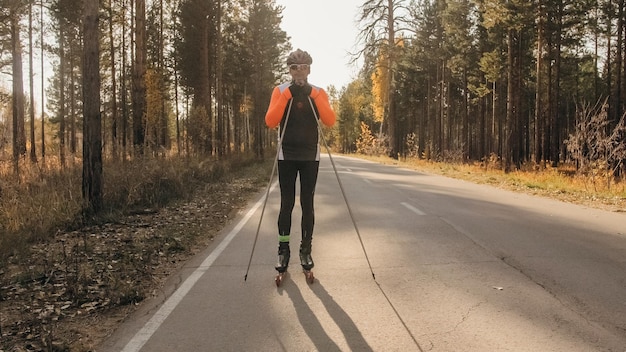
[[283, 262], [307, 262]]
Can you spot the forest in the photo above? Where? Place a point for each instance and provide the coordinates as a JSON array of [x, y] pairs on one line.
[[537, 82]]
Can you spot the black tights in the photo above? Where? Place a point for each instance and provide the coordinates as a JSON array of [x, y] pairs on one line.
[[288, 171]]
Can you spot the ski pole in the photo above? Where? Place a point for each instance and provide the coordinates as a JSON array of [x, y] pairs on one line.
[[343, 193], [356, 228], [269, 184]]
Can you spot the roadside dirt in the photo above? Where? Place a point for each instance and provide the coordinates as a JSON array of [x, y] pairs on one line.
[[72, 292]]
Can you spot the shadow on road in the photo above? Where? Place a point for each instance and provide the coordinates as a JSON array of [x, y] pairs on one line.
[[312, 325]]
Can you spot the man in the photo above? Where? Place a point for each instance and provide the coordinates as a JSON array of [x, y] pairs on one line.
[[291, 108]]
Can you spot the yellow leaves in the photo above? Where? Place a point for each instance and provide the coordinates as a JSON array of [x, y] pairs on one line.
[[380, 89], [381, 81]]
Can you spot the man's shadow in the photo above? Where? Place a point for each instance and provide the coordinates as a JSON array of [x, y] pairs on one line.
[[312, 326]]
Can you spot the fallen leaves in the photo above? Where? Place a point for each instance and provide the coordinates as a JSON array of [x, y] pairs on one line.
[[69, 293]]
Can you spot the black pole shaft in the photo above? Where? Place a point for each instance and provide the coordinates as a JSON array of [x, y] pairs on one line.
[[343, 193], [269, 185]]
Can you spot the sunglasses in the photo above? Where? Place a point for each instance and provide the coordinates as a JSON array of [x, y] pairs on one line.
[[297, 67]]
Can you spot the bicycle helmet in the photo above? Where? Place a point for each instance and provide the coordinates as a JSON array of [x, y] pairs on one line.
[[299, 57]]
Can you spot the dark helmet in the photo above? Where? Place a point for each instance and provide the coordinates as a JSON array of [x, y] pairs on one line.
[[299, 57]]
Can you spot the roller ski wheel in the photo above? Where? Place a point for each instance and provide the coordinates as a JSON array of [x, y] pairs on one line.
[[279, 278], [310, 278]]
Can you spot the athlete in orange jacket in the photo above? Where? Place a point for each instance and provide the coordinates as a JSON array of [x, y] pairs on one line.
[[299, 152]]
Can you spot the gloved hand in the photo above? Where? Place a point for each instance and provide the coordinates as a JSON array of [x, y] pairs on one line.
[[300, 90]]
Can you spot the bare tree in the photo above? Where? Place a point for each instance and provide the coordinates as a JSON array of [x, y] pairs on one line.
[[596, 148]]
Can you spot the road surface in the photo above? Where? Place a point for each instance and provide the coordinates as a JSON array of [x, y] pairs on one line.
[[454, 267]]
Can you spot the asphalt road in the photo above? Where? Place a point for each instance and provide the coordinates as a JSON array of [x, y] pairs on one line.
[[454, 267]]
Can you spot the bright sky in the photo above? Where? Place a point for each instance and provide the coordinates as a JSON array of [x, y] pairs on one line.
[[327, 29]]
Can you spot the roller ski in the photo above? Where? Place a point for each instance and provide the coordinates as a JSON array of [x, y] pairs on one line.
[[279, 278], [308, 274], [283, 263]]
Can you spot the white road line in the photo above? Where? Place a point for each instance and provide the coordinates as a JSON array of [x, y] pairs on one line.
[[143, 335], [413, 209]]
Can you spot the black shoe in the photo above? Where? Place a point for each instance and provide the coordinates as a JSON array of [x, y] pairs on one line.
[[306, 261], [284, 253]]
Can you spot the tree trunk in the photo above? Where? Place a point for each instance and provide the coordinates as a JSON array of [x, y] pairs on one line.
[[139, 77], [465, 131], [202, 96], [176, 108], [392, 120], [618, 62], [19, 134], [508, 126], [124, 88], [92, 139], [556, 103], [114, 112], [61, 116], [609, 63], [33, 150], [43, 130], [72, 122], [517, 133], [221, 135], [163, 125], [538, 156]]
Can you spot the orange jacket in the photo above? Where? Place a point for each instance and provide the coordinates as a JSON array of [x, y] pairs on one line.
[[280, 99]]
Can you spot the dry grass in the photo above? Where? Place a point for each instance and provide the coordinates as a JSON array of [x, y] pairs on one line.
[[560, 183], [35, 203], [45, 199], [67, 289]]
